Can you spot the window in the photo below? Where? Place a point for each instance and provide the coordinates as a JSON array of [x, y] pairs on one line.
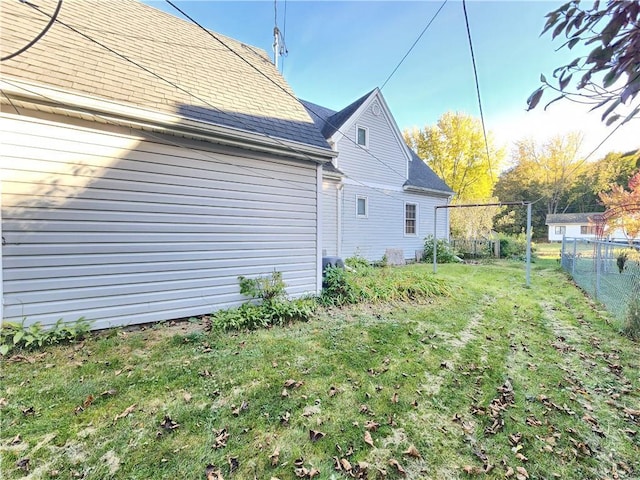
[[362, 206], [561, 230], [410, 219], [362, 136], [587, 230]]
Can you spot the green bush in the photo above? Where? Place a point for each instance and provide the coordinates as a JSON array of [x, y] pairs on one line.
[[16, 335], [514, 246], [632, 321], [274, 308], [338, 290], [444, 252], [358, 263]]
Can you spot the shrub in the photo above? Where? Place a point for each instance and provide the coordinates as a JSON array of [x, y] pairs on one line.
[[632, 323], [358, 263], [274, 307], [514, 246], [444, 252], [338, 289], [16, 335]]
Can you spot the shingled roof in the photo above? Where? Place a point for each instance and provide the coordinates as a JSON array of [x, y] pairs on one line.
[[421, 176], [189, 73], [572, 218], [329, 122]]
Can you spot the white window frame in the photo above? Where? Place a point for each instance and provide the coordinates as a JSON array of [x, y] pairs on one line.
[[560, 230], [366, 136], [366, 206], [415, 219]]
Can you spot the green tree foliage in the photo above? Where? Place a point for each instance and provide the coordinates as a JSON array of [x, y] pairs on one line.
[[624, 207], [609, 76], [454, 148], [543, 173]]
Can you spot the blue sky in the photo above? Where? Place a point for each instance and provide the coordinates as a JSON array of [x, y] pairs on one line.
[[338, 51]]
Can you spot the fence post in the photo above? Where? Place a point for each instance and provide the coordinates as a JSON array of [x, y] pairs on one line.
[[575, 257], [598, 259]]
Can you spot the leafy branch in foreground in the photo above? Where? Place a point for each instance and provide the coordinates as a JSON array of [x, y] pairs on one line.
[[610, 74]]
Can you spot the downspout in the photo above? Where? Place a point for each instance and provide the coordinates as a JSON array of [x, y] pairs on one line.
[[339, 188], [318, 228]]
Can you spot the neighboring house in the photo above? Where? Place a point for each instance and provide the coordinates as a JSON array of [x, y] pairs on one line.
[[578, 225], [139, 192], [377, 194]]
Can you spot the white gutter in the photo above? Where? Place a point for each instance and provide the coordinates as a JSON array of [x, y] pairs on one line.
[[77, 105]]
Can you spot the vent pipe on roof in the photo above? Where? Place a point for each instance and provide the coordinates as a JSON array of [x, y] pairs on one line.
[[276, 45]]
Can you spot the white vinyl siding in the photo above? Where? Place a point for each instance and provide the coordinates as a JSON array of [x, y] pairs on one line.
[[101, 223], [385, 225], [330, 217]]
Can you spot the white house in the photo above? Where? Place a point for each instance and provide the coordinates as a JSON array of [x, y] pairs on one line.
[[579, 225], [377, 194], [141, 175]]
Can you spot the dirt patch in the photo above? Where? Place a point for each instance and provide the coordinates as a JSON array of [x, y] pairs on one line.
[[111, 461]]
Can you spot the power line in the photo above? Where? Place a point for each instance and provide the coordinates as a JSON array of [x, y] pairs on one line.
[[39, 36], [475, 73], [280, 86], [178, 87], [414, 43]]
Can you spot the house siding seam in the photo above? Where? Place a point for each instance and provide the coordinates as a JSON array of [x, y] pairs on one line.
[[122, 229]]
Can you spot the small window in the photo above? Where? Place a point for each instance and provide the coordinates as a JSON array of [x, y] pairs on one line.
[[561, 230], [361, 206], [410, 218], [587, 230], [362, 136]]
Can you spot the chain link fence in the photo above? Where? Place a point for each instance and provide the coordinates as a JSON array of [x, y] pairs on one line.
[[608, 271]]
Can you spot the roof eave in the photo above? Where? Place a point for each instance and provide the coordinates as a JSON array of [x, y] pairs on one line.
[[434, 191], [76, 105]]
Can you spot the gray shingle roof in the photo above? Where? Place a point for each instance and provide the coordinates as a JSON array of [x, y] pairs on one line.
[[216, 85], [421, 176], [330, 121], [574, 218]]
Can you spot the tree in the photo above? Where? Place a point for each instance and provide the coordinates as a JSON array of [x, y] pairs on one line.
[[610, 74], [624, 207], [473, 222], [544, 173], [454, 148]]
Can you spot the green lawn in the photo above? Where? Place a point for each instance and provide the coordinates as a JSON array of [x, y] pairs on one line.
[[495, 380]]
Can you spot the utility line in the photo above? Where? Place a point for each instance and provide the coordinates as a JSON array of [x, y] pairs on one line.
[[281, 87], [178, 87], [475, 73], [39, 36], [414, 43]]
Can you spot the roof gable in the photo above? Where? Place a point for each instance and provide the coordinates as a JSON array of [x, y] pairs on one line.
[[161, 63]]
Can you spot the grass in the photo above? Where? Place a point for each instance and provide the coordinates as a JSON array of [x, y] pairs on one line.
[[493, 377]]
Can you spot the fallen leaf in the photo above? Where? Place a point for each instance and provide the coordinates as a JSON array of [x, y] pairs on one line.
[[521, 457], [87, 401], [28, 411], [221, 438], [522, 471], [233, 464], [371, 425], [16, 440], [510, 472], [315, 435], [275, 457], [212, 473], [169, 424], [23, 464], [333, 391], [126, 412], [346, 466], [285, 392], [394, 398], [107, 393], [412, 451], [187, 397], [313, 472], [394, 463], [367, 438], [3, 402]]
